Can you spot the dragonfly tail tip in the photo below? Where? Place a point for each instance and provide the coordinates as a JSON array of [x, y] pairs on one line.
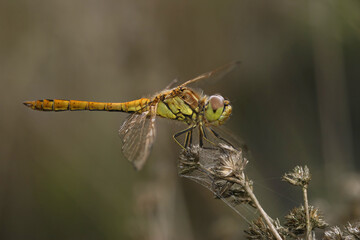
[[28, 103]]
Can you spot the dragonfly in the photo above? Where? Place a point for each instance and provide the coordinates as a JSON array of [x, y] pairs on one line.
[[180, 103]]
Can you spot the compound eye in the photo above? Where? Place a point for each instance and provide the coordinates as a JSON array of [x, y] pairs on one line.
[[214, 108], [216, 102]]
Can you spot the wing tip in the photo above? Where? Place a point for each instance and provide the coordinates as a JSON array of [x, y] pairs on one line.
[[137, 168]]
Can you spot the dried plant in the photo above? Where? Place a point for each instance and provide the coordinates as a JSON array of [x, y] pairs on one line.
[[301, 177], [222, 170], [298, 177], [214, 168], [350, 232], [259, 230], [296, 221]]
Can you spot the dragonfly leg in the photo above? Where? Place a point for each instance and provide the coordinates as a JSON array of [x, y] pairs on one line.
[[203, 136], [221, 138], [188, 139], [176, 135]]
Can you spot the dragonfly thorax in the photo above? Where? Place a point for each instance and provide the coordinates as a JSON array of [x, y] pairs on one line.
[[217, 110]]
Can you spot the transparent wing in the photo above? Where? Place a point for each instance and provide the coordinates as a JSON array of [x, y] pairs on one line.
[[138, 134], [215, 74]]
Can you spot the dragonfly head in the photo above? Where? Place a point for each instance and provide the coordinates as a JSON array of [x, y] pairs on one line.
[[217, 110]]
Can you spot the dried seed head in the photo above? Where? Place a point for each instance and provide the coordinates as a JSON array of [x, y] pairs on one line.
[[232, 192], [353, 230], [231, 163], [216, 168], [189, 160], [350, 232], [259, 230], [299, 176], [296, 220], [334, 233]]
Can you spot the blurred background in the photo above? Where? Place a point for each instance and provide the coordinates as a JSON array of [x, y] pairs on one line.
[[295, 101]]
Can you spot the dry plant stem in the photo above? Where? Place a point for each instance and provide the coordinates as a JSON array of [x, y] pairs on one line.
[[264, 215], [306, 203]]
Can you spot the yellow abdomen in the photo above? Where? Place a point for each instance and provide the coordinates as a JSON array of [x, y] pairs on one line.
[[139, 105]]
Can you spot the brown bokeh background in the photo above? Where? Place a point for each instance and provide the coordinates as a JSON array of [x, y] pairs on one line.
[[295, 99]]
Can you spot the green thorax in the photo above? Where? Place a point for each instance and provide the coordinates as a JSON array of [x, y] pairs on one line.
[[179, 104]]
